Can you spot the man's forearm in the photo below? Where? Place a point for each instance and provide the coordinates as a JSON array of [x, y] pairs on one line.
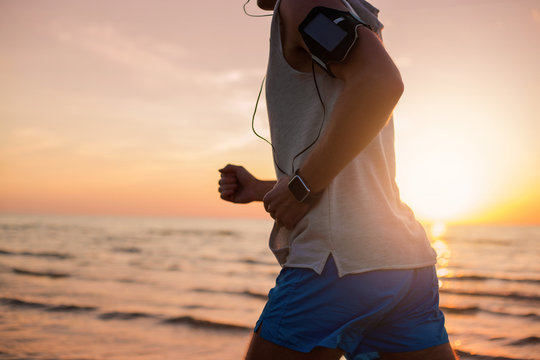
[[359, 114]]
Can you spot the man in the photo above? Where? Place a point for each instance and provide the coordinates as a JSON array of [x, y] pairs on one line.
[[358, 273]]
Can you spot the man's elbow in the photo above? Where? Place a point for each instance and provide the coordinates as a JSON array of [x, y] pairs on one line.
[[395, 87], [386, 85], [384, 88]]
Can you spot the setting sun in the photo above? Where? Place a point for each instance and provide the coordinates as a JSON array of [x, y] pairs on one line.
[[444, 186]]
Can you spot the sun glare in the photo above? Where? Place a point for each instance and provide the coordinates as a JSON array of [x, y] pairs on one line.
[[438, 229], [443, 186]]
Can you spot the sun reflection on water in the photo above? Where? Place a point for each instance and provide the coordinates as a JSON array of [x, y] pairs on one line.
[[437, 231]]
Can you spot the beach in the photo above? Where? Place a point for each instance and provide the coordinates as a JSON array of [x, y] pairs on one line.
[[96, 287]]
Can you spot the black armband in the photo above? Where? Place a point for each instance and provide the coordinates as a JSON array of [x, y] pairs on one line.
[[330, 34]]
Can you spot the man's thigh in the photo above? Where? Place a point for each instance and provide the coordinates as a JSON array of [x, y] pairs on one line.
[[261, 349], [439, 352]]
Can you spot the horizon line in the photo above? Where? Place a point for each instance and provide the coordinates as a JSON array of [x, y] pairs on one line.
[[244, 217]]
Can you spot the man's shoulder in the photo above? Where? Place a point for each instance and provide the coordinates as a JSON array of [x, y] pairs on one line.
[[296, 10]]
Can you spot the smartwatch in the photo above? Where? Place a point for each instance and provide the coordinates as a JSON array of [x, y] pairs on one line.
[[299, 189]]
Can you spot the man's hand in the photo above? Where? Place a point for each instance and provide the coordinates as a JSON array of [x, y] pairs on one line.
[[237, 185], [283, 206]]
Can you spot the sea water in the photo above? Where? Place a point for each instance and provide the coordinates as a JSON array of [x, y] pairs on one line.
[[88, 287]]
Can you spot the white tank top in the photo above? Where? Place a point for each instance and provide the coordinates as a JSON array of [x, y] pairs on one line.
[[360, 218]]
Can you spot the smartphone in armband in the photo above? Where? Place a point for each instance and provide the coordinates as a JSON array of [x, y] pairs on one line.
[[330, 34]]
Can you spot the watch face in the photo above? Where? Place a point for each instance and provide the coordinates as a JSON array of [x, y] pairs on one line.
[[298, 188]]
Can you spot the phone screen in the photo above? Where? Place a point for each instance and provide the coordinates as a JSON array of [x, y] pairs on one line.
[[325, 32]]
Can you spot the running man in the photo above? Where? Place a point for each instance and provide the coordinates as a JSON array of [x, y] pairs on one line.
[[358, 273]]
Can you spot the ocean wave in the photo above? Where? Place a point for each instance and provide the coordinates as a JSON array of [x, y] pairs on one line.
[[205, 324], [249, 260], [21, 354], [119, 315], [71, 308], [244, 260], [127, 249], [467, 355], [127, 281], [487, 278], [472, 310], [249, 293], [43, 226], [254, 294], [531, 340], [178, 320], [54, 255], [193, 232], [21, 303], [18, 227], [532, 316], [196, 307], [50, 274], [488, 241], [509, 295], [18, 303], [469, 310]]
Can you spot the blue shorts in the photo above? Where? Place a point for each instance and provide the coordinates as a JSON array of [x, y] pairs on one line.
[[361, 314]]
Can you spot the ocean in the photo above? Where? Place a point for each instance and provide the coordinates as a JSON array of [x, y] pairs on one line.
[[91, 287]]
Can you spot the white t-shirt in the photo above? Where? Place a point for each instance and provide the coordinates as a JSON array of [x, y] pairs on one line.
[[360, 218]]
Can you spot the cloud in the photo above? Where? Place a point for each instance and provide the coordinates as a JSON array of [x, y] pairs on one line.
[[147, 57], [141, 55], [30, 141], [235, 76], [163, 107], [159, 77]]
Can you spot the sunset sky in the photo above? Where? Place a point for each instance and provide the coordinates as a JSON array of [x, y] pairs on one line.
[[130, 107]]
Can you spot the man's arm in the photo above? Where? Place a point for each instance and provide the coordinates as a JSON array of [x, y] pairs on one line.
[[372, 86], [237, 185]]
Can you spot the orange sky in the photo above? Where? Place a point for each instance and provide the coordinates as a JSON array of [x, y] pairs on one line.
[[130, 107]]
